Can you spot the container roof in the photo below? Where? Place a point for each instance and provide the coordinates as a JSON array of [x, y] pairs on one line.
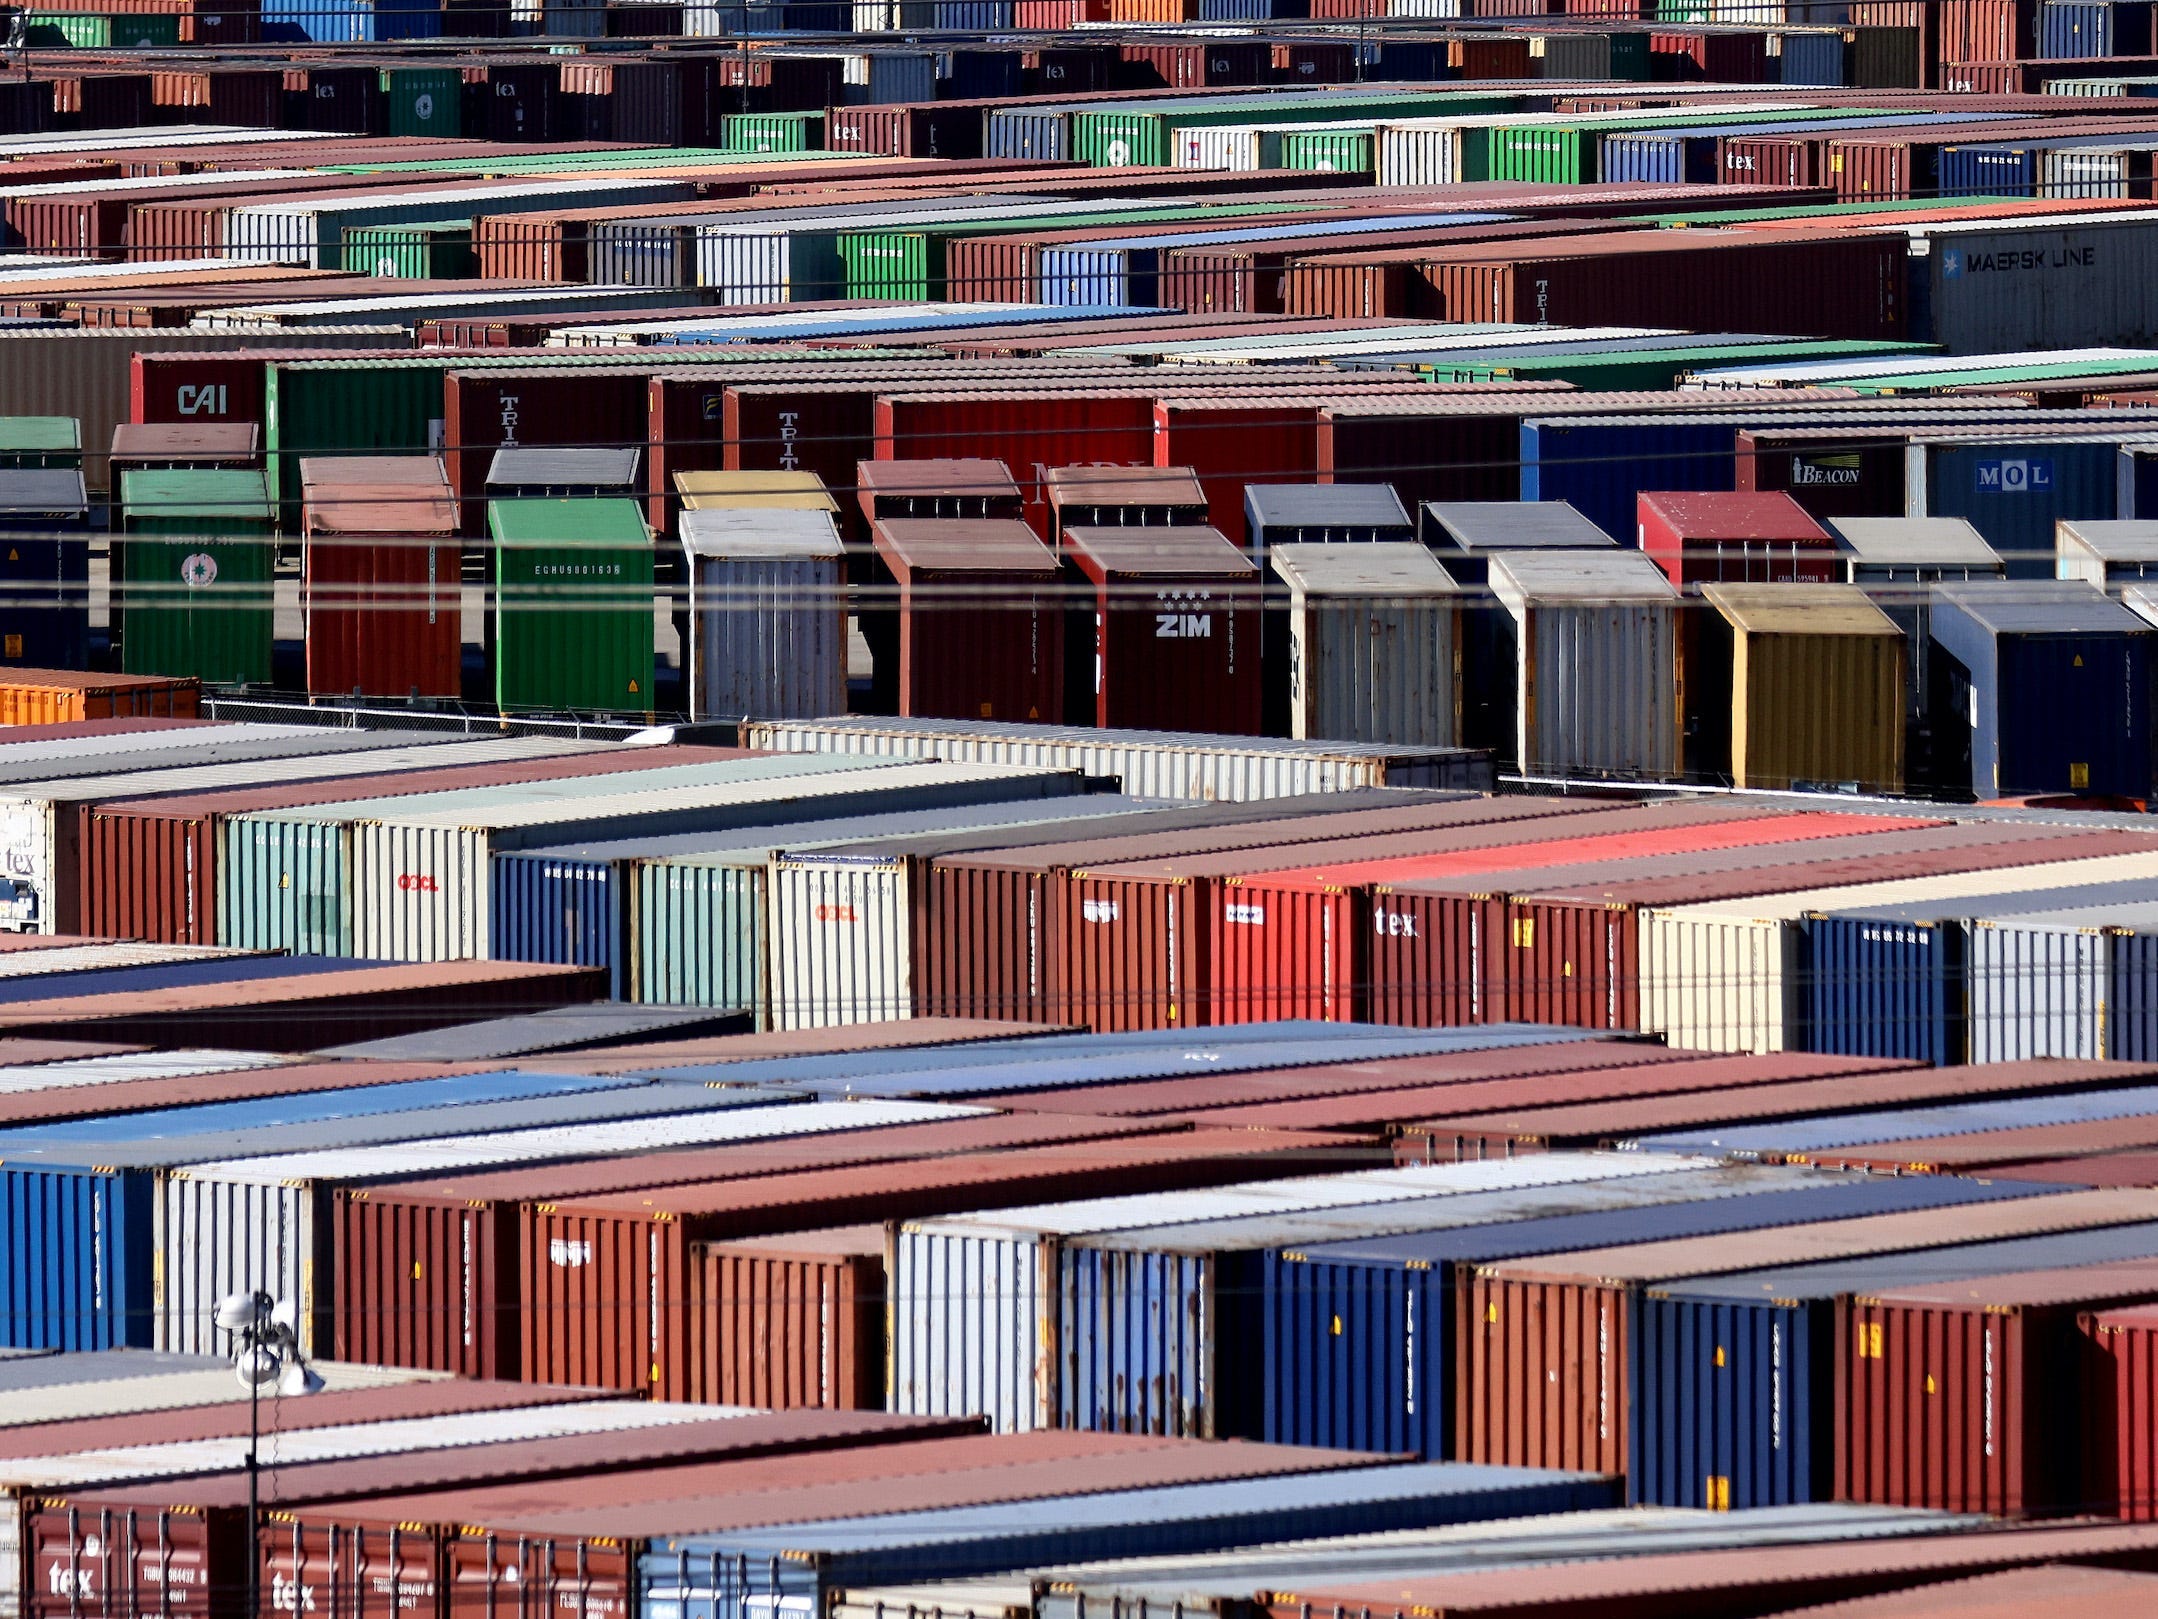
[[2115, 542], [1585, 577], [741, 533], [425, 471], [1194, 552], [42, 489], [1324, 505], [1920, 542], [800, 491], [195, 492], [1510, 525], [517, 465], [933, 477], [46, 433], [1744, 515], [2040, 607], [1123, 486], [965, 544], [235, 439], [1800, 609], [605, 521], [1386, 568]]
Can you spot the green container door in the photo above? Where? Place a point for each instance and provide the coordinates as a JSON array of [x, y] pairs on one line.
[[59, 30], [699, 936], [1120, 140], [773, 132], [424, 100], [281, 886], [386, 404], [893, 265], [1328, 151], [40, 441], [439, 251], [573, 605], [1546, 154], [195, 574]]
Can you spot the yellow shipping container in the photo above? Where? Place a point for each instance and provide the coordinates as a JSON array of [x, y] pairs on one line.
[[1817, 678]]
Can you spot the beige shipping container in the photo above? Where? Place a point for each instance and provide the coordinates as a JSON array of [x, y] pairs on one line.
[[1817, 687], [840, 941], [1374, 643], [1728, 975]]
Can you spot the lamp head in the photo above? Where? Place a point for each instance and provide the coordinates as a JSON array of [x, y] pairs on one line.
[[236, 1312], [258, 1368], [299, 1378]]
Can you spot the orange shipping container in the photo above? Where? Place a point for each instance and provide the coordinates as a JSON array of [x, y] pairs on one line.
[[58, 696]]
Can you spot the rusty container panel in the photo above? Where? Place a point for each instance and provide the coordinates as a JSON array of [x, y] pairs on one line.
[[2121, 1399], [170, 1560], [1542, 1376], [485, 411], [795, 1320], [432, 1281], [1133, 951]]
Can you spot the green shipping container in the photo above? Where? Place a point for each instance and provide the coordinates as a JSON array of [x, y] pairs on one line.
[[281, 886], [87, 31], [1547, 154], [194, 574], [424, 100], [573, 605], [439, 251], [772, 132], [40, 441], [1138, 136], [904, 265], [1329, 151], [698, 935]]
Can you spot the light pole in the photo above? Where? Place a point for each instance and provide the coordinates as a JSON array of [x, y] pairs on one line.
[[265, 1350]]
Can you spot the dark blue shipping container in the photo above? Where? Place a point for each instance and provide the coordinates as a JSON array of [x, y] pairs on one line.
[[1734, 1376], [1033, 134], [563, 910], [2079, 28], [1894, 981], [1989, 171], [173, 975], [2014, 492], [1407, 61], [791, 1570], [44, 569], [1812, 59], [1801, 1138], [973, 16], [1359, 1336], [1601, 467], [76, 1258], [1237, 11], [984, 75], [2050, 683]]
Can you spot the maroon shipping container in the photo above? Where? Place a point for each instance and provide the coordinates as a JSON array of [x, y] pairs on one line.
[[1719, 539], [1734, 56], [1770, 160], [1981, 1152], [482, 411], [997, 934], [1854, 472], [380, 578], [1232, 442], [610, 1281], [980, 623], [1966, 1396], [798, 1320], [206, 386], [957, 487], [1175, 629], [1491, 56], [1122, 497], [290, 1014], [1892, 1084], [430, 1274], [1027, 429], [149, 866], [1748, 1584], [2121, 1412], [2103, 1169]]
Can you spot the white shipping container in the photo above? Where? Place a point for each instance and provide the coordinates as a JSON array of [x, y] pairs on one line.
[[266, 1222], [129, 1066], [841, 939], [1728, 975], [1150, 764], [1417, 153], [1597, 674], [1374, 647], [768, 613], [1221, 146], [747, 267], [974, 1296]]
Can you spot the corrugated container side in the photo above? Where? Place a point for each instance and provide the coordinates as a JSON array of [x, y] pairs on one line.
[[841, 942], [76, 1251], [281, 885], [1541, 1373], [790, 1329], [428, 1282], [419, 893], [565, 911], [697, 936], [215, 1237], [2036, 991]]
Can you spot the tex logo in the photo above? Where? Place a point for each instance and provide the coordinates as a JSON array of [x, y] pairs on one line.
[[290, 1596], [2015, 477], [66, 1580]]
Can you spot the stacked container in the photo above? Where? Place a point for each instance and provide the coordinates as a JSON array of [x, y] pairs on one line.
[[1374, 643], [573, 605], [768, 613], [194, 577], [1734, 539], [979, 623], [2106, 554], [1175, 628], [380, 571], [1287, 513], [45, 569]]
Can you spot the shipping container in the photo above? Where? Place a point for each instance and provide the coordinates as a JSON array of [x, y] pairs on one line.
[[1175, 628], [1284, 514], [380, 567], [1122, 497], [185, 444], [47, 697], [45, 515], [1375, 643], [767, 613], [582, 562], [2105, 554], [962, 654]]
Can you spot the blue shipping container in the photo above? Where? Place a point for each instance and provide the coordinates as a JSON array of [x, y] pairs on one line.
[[1799, 1138], [1734, 1375], [2050, 685], [977, 17], [1989, 171], [2078, 28], [1601, 467], [2013, 493], [1359, 1336], [76, 1258], [44, 569], [984, 75], [1041, 135], [174, 975], [1812, 59], [791, 1570]]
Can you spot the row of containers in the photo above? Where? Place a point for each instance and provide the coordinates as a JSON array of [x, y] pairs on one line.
[[703, 1494], [870, 880], [1730, 1313]]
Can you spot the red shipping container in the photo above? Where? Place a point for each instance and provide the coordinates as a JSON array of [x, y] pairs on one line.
[[1233, 442], [1175, 629], [1297, 942], [1718, 538], [561, 406], [1768, 160], [2121, 1400], [380, 578], [1491, 56], [212, 386], [1966, 1396], [1060, 14], [980, 622], [1027, 429], [798, 1320]]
